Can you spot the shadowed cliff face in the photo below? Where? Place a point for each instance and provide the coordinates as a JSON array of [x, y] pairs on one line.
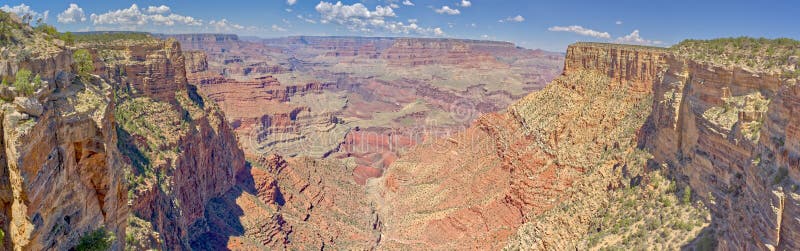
[[181, 150], [731, 133], [726, 130], [130, 149]]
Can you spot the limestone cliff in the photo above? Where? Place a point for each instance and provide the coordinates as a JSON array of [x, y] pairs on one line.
[[180, 148], [726, 130], [130, 150], [730, 131]]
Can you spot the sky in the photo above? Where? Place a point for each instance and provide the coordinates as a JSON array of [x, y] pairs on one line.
[[548, 25]]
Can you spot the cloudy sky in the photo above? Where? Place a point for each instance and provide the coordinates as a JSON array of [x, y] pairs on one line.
[[531, 24]]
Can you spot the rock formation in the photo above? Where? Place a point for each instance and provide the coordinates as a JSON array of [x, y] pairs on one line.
[[130, 149]]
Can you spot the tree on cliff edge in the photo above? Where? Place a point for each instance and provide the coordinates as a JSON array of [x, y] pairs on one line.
[[83, 62]]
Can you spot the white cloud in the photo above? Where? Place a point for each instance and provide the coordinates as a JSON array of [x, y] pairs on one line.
[[517, 19], [473, 25], [413, 20], [408, 3], [277, 28], [342, 13], [288, 10], [23, 9], [291, 2], [359, 18], [447, 10], [634, 38], [581, 31], [307, 19], [394, 6], [134, 16], [129, 16], [163, 9], [466, 3], [73, 14], [224, 25], [173, 18], [618, 22]]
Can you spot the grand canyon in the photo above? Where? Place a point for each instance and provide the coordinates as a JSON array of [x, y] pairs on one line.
[[119, 140]]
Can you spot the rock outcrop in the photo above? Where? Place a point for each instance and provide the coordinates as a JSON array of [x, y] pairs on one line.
[[181, 149], [132, 150], [196, 61], [725, 130], [730, 133], [294, 203]]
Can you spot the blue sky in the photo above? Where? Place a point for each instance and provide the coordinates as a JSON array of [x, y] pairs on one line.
[[531, 24]]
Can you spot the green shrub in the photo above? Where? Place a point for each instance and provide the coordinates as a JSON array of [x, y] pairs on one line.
[[25, 84], [2, 237], [665, 200], [47, 29], [780, 175], [83, 62], [687, 195], [6, 28], [67, 37], [99, 240], [706, 242]]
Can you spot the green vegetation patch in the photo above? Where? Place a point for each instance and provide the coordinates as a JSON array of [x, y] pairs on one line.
[[748, 111], [756, 53], [149, 133], [7, 28], [25, 83], [83, 62], [647, 217], [98, 240], [106, 37]]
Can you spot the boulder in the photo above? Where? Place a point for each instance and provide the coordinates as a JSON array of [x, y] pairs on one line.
[[6, 93], [793, 60], [29, 105]]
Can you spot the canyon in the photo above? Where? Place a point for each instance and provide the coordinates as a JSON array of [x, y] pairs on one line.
[[367, 98], [212, 142]]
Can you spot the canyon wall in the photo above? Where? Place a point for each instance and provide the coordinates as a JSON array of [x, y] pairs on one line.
[[58, 147], [130, 150], [565, 162], [181, 149], [729, 132]]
